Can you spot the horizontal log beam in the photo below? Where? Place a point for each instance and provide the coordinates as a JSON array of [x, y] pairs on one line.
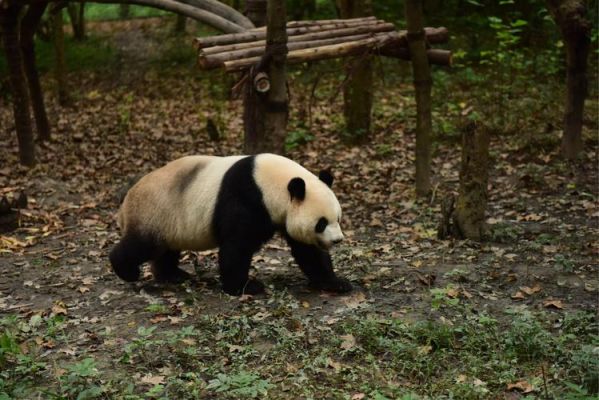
[[321, 32], [319, 53]]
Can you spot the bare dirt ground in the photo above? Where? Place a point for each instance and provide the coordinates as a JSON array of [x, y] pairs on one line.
[[541, 257]]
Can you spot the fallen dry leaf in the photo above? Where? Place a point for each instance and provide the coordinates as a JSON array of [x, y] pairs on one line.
[[152, 379], [518, 296], [530, 291], [550, 303], [349, 342], [522, 386]]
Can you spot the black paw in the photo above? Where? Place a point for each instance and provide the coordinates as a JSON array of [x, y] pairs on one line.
[[337, 285], [127, 274], [173, 276], [251, 286]]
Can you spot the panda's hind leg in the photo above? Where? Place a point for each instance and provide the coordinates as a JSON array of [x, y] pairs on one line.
[[129, 253], [165, 267]]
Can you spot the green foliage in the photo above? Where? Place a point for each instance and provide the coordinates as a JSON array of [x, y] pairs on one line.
[[104, 12], [297, 138], [242, 384]]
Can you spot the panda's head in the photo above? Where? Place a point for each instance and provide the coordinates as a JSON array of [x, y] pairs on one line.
[[314, 213]]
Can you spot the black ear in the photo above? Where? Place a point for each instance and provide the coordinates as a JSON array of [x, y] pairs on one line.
[[297, 188], [326, 176]]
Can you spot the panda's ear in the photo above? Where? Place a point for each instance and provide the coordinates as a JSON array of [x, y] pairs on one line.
[[297, 189], [326, 176]]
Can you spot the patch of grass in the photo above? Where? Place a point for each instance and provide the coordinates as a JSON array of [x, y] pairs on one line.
[[93, 54], [106, 12]]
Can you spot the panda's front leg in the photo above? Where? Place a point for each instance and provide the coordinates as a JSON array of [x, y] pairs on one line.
[[234, 266], [317, 265]]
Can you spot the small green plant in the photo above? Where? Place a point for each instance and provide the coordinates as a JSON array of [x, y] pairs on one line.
[[80, 381], [125, 112], [443, 297], [242, 384], [563, 263], [157, 308], [297, 138]]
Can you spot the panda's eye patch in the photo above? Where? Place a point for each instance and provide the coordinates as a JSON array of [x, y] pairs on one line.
[[321, 225]]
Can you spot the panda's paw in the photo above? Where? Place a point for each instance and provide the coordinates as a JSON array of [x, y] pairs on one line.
[[251, 286], [127, 274], [337, 285]]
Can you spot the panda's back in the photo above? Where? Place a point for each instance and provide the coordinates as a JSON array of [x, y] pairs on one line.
[[177, 201]]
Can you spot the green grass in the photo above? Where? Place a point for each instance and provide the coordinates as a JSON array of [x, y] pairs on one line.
[[474, 357], [106, 12], [94, 53]]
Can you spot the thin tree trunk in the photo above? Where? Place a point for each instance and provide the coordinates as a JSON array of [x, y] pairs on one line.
[[60, 66], [9, 18], [253, 106], [358, 92], [124, 11], [422, 85], [28, 26], [469, 214], [77, 16], [277, 112], [255, 10], [180, 24], [571, 17]]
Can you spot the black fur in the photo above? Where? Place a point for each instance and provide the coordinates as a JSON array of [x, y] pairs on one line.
[[297, 188], [317, 266], [134, 249], [241, 226], [326, 176], [186, 178]]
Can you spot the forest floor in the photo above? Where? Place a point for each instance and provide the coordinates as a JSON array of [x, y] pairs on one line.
[[512, 317]]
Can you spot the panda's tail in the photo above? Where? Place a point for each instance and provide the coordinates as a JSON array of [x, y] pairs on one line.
[[124, 189]]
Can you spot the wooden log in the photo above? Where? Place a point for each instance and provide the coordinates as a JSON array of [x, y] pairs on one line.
[[323, 31], [395, 47], [319, 53], [294, 24], [212, 61], [435, 56], [433, 36]]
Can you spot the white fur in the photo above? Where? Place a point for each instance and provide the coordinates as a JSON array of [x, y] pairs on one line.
[[272, 174], [185, 222], [155, 205]]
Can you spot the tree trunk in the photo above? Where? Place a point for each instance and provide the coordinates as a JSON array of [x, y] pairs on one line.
[[469, 214], [9, 19], [422, 85], [358, 91], [124, 11], [180, 24], [60, 67], [571, 17], [28, 26], [255, 10], [277, 112], [77, 16], [253, 106]]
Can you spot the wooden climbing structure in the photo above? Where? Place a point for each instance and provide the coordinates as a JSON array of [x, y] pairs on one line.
[[318, 40]]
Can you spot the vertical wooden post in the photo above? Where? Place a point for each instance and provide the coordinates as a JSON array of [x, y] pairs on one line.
[[276, 98], [9, 23], [469, 214], [29, 24], [422, 84], [265, 114], [358, 92], [571, 18]]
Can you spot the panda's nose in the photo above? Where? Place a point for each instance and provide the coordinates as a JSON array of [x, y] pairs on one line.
[[339, 240]]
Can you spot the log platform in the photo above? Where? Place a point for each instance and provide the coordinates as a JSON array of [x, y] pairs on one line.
[[318, 40]]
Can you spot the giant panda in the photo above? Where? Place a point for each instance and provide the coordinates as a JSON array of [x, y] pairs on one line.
[[235, 203]]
